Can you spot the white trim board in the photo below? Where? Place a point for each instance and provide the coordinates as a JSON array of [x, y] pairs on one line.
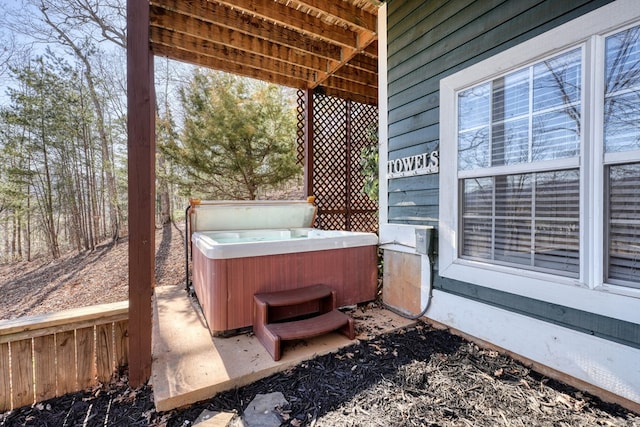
[[383, 119], [610, 366]]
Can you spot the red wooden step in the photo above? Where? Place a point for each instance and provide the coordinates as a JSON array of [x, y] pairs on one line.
[[273, 322], [295, 296], [271, 335], [312, 327]]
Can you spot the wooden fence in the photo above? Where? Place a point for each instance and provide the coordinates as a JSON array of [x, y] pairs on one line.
[[48, 355]]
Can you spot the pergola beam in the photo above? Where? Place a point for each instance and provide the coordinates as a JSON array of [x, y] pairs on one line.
[[364, 62], [305, 23], [298, 43], [204, 17], [351, 87], [347, 55], [344, 12], [358, 75], [181, 40], [344, 94], [278, 77]]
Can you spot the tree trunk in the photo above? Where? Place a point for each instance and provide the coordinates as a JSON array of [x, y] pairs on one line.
[[14, 229], [163, 193], [49, 220], [107, 164], [27, 234], [7, 246], [19, 236]]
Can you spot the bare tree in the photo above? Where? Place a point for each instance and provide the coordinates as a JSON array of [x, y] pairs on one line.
[[82, 27]]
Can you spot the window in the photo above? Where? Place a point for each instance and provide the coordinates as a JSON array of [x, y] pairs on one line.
[[621, 138], [541, 164], [518, 208]]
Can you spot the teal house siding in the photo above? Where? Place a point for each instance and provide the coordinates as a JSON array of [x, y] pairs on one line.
[[426, 42], [429, 40]]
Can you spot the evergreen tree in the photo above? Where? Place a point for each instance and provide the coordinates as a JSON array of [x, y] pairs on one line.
[[238, 137]]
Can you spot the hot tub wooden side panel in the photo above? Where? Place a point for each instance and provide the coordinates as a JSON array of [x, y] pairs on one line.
[[225, 287], [210, 285], [352, 272]]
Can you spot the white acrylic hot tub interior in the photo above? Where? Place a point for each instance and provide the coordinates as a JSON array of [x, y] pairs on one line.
[[248, 243]]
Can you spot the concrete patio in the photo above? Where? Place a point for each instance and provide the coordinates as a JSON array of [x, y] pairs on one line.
[[189, 365]]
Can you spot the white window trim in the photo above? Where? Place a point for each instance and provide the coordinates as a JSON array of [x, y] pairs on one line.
[[396, 237], [613, 300]]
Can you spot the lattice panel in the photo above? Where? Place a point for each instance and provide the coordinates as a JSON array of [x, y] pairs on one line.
[[300, 106], [341, 130], [364, 221], [330, 160], [364, 125]]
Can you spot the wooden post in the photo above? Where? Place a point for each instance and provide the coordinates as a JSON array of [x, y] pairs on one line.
[[308, 142], [348, 145], [141, 146]]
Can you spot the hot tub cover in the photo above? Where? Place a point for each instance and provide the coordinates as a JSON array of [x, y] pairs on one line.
[[209, 215]]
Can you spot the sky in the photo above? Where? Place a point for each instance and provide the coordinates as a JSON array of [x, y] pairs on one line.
[[7, 18], [177, 73]]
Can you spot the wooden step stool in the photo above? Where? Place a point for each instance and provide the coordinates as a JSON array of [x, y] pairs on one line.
[[275, 316]]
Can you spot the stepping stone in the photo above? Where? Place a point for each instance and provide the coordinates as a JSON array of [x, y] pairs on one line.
[[261, 412], [209, 418]]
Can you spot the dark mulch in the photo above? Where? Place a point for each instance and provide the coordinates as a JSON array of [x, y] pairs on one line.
[[417, 377]]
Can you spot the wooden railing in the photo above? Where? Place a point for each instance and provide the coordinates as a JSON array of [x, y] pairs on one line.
[[48, 355]]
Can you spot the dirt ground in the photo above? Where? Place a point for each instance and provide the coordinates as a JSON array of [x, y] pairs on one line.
[[79, 280], [414, 377]]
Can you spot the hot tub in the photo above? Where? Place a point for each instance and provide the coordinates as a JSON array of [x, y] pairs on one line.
[[231, 265]]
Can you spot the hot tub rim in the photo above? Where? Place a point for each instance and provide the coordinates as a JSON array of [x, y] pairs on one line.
[[329, 241]]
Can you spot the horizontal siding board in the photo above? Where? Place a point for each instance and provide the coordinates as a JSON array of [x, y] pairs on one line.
[[409, 183], [417, 31], [426, 102], [427, 87], [417, 121], [413, 213], [418, 136], [619, 331], [427, 197], [400, 15], [475, 38], [435, 29]]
